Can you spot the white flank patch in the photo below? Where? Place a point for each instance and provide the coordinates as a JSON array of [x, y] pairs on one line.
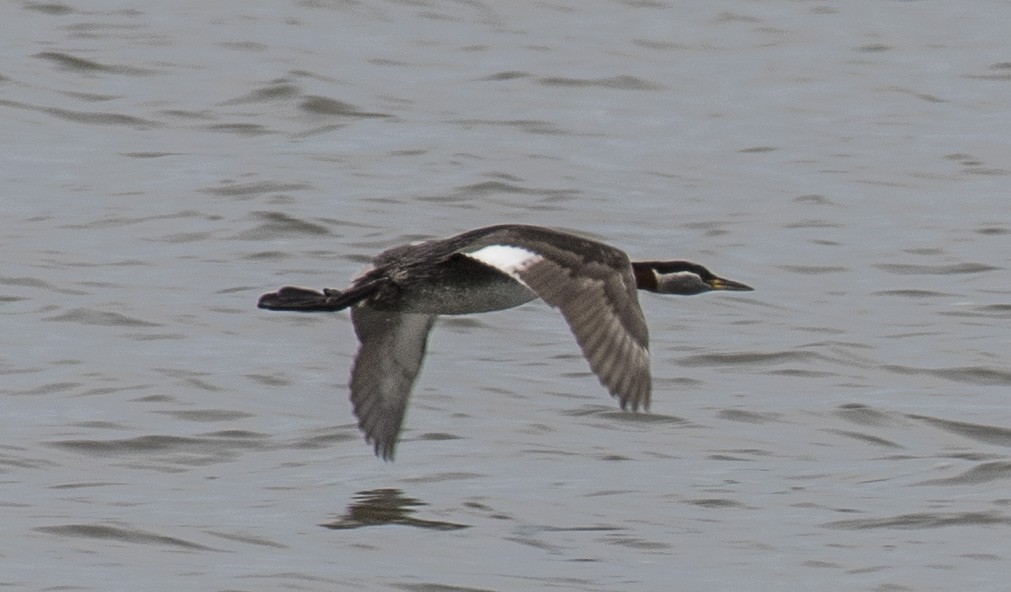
[[507, 258]]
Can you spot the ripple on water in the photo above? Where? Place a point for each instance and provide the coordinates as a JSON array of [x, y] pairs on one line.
[[952, 269], [122, 534], [170, 453], [982, 473], [71, 62], [982, 433], [275, 225], [924, 520], [87, 316], [752, 358], [877, 441], [861, 414], [978, 375]]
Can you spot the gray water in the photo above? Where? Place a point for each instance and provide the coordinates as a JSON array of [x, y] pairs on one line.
[[847, 426]]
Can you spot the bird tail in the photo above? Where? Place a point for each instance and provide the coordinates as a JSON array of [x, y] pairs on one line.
[[306, 300]]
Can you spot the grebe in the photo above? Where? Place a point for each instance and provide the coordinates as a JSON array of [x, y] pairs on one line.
[[394, 304]]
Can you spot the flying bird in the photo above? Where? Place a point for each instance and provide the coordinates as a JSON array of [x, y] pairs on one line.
[[594, 286]]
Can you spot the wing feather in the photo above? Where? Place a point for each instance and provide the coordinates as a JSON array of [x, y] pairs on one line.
[[594, 287], [385, 369], [598, 300]]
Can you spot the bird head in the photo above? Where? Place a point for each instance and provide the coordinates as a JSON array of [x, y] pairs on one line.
[[681, 277]]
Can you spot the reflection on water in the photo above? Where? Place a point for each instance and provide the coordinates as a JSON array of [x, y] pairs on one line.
[[379, 507]]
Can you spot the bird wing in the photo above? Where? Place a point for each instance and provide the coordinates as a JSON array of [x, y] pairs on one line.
[[598, 299], [385, 368]]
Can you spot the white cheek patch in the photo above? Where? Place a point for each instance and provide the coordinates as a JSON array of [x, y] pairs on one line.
[[680, 282], [506, 258]]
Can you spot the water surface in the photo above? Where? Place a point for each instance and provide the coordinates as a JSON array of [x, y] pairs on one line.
[[846, 424]]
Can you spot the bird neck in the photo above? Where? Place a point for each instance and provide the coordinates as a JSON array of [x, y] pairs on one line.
[[645, 277]]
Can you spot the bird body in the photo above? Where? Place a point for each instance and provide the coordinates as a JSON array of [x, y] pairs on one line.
[[394, 305]]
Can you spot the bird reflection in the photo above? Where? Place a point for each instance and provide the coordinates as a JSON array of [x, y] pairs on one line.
[[377, 507]]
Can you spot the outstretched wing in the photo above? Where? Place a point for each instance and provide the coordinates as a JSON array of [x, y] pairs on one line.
[[385, 368], [597, 296]]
